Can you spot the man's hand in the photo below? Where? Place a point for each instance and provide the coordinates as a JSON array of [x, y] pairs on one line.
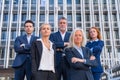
[[22, 45], [66, 43]]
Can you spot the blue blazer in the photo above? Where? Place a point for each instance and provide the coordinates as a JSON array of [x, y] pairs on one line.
[[96, 48], [80, 71], [57, 39], [22, 52]]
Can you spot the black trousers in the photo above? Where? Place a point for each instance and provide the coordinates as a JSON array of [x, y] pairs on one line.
[[45, 75]]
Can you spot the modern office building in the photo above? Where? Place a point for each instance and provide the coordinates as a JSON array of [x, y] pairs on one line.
[[84, 14]]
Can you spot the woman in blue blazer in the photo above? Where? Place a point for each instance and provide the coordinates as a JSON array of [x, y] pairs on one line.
[[43, 56], [95, 44], [80, 58]]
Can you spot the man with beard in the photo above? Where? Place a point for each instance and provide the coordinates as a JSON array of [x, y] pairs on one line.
[[60, 39]]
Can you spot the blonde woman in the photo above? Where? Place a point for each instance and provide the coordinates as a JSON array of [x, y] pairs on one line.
[[43, 56], [79, 57]]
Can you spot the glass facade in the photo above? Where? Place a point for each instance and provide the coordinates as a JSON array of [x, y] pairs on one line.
[[84, 14]]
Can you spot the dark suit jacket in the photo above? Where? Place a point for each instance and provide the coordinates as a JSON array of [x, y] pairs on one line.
[[36, 53], [96, 50], [80, 71], [57, 39], [59, 43], [22, 52]]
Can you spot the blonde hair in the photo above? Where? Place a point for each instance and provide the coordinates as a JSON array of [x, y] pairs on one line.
[[44, 25], [71, 40]]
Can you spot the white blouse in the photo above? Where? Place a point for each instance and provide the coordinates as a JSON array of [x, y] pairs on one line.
[[47, 58]]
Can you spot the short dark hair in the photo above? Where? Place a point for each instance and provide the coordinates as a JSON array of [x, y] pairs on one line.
[[62, 18], [29, 21]]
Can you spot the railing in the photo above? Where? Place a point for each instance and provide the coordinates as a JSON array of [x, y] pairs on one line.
[[112, 73]]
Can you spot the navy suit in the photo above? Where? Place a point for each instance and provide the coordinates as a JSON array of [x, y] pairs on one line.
[[22, 62], [61, 63], [78, 70], [96, 48], [36, 53]]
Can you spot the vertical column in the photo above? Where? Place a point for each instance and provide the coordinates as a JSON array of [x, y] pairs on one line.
[[1, 18], [73, 15], [37, 17], [56, 8], [83, 13], [9, 34], [65, 8], [47, 11]]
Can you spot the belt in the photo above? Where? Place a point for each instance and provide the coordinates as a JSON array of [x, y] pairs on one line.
[[59, 49]]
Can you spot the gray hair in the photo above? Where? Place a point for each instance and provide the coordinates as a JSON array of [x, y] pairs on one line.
[[71, 40]]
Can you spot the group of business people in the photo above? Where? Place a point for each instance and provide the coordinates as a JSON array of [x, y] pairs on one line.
[[57, 55]]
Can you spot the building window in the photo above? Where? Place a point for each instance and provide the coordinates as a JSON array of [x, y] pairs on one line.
[[22, 32], [105, 17], [13, 34], [23, 16], [113, 1], [3, 35], [5, 17], [59, 16], [51, 18], [86, 1], [69, 2], [78, 1], [51, 2], [14, 17], [42, 17], [95, 1], [24, 1], [15, 2], [107, 34], [2, 53], [33, 1], [7, 1], [116, 34], [33, 16], [104, 1], [96, 16], [69, 17], [78, 17], [114, 16], [87, 17], [60, 1]]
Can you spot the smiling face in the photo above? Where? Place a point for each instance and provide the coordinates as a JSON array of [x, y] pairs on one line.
[[29, 28], [45, 30], [78, 37]]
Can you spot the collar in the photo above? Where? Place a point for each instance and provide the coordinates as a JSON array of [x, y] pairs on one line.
[[94, 40]]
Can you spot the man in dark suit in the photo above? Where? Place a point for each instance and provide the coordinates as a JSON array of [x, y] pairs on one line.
[[22, 45], [60, 39]]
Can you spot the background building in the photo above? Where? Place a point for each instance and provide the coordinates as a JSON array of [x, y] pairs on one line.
[[84, 14]]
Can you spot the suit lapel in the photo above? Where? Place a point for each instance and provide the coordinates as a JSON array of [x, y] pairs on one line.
[[66, 37], [84, 52], [59, 36], [25, 39], [76, 52], [39, 47], [31, 40]]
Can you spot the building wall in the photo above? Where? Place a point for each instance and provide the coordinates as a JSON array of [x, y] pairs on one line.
[[84, 14]]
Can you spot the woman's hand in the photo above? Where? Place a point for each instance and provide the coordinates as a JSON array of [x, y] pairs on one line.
[[74, 60], [92, 58]]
